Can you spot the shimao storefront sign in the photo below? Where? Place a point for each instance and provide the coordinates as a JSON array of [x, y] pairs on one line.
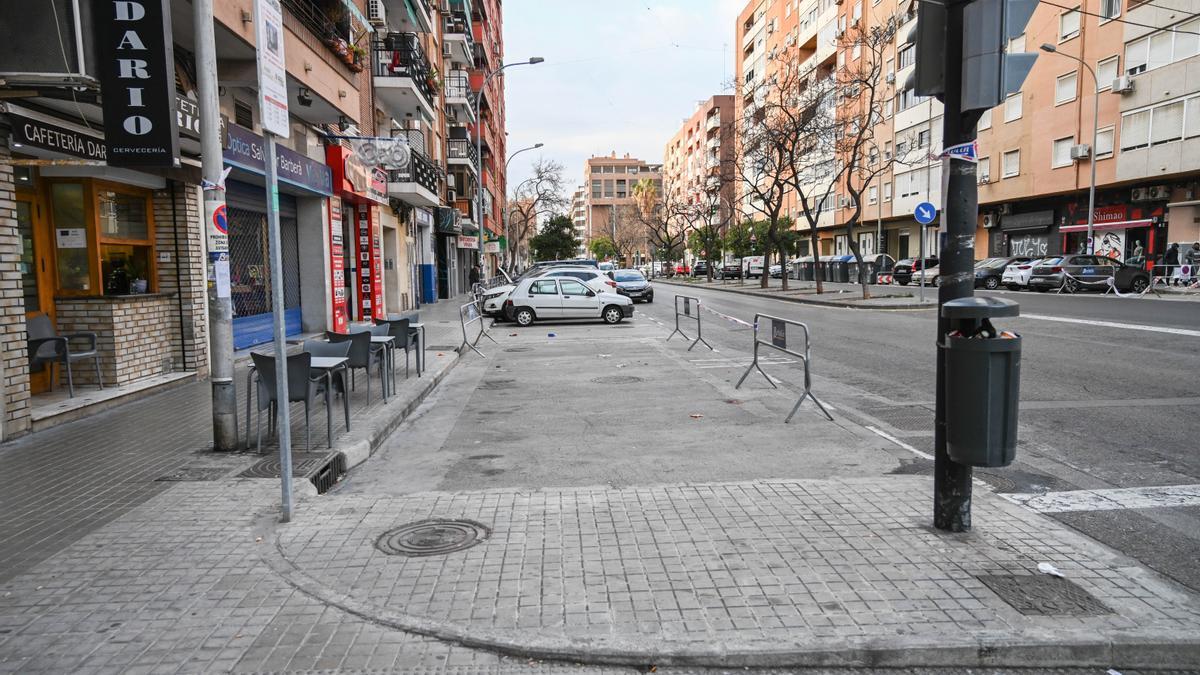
[[137, 82], [272, 72]]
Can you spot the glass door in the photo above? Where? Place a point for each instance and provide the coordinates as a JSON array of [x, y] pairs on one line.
[[37, 279]]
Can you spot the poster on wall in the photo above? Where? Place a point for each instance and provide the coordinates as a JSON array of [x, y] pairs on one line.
[[1110, 244], [337, 264]]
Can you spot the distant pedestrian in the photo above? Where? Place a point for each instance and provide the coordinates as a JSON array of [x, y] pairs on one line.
[[473, 275], [1138, 251], [1171, 262], [1192, 257]]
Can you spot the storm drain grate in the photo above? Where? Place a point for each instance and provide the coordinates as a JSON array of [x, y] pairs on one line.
[[432, 537], [1043, 595], [194, 473], [616, 379], [322, 469], [904, 418]]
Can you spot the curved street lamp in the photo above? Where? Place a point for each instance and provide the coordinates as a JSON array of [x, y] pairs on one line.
[[1091, 214], [504, 211], [479, 144]]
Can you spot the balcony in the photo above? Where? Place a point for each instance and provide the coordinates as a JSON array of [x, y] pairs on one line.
[[714, 122], [458, 96], [456, 30], [403, 77], [461, 151], [418, 184]]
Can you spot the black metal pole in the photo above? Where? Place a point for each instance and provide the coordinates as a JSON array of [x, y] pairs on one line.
[[951, 481]]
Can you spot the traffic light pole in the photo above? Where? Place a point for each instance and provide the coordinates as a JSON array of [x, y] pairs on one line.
[[952, 481]]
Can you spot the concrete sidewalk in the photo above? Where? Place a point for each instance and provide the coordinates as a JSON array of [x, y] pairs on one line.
[[835, 295]]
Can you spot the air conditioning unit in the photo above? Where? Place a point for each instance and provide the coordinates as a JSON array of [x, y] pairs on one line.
[[1122, 85], [890, 78], [376, 13], [1140, 195], [1006, 209], [1160, 192], [451, 195], [989, 220], [1081, 151]]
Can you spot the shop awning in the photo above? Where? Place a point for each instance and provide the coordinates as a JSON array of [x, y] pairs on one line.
[[1120, 225]]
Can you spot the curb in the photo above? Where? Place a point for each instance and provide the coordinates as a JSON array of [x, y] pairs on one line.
[[803, 301], [1120, 651]]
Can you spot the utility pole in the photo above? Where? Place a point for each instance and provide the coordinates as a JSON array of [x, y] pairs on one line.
[[220, 302], [961, 58]]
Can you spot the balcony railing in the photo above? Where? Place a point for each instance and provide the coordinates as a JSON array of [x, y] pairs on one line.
[[461, 148], [420, 171], [714, 121], [316, 19], [458, 85], [401, 55], [457, 22]]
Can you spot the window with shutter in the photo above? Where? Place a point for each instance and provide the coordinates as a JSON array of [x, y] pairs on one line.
[[1166, 123], [1104, 143], [1191, 118], [1012, 163], [1136, 55], [1106, 72], [1064, 88], [1012, 107], [1160, 50], [1135, 130], [1068, 25], [1061, 155], [1187, 42]]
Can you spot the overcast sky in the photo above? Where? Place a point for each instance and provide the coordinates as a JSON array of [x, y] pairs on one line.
[[620, 75]]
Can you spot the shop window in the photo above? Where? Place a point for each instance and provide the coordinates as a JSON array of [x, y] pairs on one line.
[[71, 241], [103, 239]]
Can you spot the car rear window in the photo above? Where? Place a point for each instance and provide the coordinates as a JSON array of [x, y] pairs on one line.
[[629, 276]]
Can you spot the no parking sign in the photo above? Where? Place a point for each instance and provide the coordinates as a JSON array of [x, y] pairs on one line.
[[217, 219]]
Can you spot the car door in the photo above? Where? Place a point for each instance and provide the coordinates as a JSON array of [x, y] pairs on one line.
[[544, 299], [578, 301]]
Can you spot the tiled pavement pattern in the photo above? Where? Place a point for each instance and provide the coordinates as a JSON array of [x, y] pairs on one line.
[[65, 482], [724, 568]]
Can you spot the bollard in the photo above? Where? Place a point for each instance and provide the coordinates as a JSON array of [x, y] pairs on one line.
[[688, 303], [779, 342]]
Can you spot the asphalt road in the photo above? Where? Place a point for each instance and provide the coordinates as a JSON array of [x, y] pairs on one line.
[[1110, 395]]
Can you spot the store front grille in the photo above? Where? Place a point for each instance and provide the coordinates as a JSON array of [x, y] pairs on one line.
[[250, 276]]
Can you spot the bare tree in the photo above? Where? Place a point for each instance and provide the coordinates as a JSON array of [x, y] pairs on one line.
[[540, 195], [663, 218], [629, 234]]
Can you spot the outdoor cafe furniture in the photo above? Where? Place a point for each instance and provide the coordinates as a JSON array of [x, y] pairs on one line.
[[363, 356], [303, 387], [47, 346]]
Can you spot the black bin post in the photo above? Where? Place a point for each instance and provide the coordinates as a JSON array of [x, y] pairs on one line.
[[983, 376]]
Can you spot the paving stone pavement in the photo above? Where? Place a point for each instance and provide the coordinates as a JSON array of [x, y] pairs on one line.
[[731, 574]]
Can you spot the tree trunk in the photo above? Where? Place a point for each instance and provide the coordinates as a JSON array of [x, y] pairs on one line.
[[783, 276], [862, 272], [813, 243]]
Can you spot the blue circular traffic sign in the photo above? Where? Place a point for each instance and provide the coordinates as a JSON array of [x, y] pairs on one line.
[[925, 213]]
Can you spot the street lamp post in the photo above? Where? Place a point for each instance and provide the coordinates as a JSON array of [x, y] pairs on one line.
[[504, 211], [479, 144], [1091, 212]]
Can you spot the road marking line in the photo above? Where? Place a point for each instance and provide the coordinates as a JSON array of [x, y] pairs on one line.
[[1114, 324], [897, 441], [726, 316], [1109, 499]]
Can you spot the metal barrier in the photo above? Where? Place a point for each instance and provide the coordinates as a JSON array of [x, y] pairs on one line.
[[467, 315], [778, 341], [687, 314], [1109, 282]]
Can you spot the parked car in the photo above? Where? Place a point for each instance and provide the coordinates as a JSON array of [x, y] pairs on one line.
[[989, 273], [731, 270], [1071, 271], [606, 266], [563, 298], [493, 298], [906, 268], [1016, 275], [700, 269], [633, 285], [682, 268], [777, 270]]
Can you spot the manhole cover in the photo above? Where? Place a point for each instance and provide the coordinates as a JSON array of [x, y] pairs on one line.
[[194, 473], [1043, 595], [616, 379], [432, 537], [304, 465], [519, 349]]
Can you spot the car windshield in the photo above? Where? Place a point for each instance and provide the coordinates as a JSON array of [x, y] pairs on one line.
[[628, 275]]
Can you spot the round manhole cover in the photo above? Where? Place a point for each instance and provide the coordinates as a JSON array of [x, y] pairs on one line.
[[519, 349], [432, 537], [616, 379]]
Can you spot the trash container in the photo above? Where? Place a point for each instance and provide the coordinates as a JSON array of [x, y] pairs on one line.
[[805, 269], [983, 375], [841, 268]]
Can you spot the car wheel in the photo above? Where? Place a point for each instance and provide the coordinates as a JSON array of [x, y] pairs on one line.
[[937, 281], [612, 315], [524, 316], [991, 283], [649, 299], [1071, 286], [1139, 284]]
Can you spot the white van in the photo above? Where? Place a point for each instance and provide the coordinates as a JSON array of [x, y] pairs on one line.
[[752, 266]]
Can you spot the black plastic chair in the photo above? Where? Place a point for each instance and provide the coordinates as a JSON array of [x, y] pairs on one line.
[[337, 376], [302, 388], [361, 356], [405, 337], [47, 346]]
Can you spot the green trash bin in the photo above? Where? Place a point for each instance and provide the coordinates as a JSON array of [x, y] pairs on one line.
[[983, 376]]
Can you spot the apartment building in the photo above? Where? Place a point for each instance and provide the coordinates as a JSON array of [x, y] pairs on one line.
[[579, 217], [610, 182], [698, 159]]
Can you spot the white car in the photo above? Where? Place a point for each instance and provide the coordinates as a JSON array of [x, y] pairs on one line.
[[1016, 276], [493, 298], [563, 298]]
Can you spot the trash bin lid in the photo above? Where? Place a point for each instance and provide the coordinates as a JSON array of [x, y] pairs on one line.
[[980, 308], [847, 258]]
